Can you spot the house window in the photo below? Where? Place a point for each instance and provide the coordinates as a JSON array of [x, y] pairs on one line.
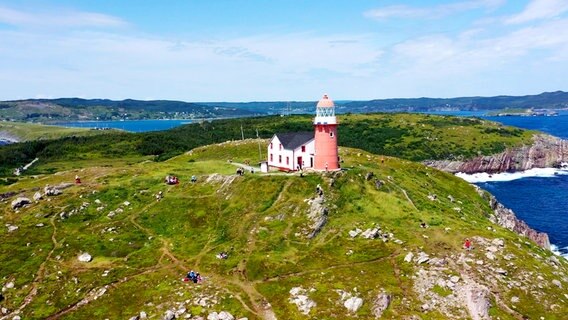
[[280, 146], [303, 148], [280, 159], [287, 160], [271, 145], [271, 158], [331, 134]]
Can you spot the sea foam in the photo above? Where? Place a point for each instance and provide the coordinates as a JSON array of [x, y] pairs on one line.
[[510, 176], [556, 251]]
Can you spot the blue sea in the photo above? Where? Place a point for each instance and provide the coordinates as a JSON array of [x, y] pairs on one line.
[[540, 198], [128, 125]]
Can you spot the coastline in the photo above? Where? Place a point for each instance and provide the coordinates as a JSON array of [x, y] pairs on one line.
[[506, 217]]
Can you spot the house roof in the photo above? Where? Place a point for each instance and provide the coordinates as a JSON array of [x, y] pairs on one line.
[[293, 140]]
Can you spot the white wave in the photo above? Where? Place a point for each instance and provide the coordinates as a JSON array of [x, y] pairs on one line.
[[510, 176], [556, 251]]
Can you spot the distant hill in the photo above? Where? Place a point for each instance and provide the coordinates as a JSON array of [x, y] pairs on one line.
[[546, 100], [72, 109]]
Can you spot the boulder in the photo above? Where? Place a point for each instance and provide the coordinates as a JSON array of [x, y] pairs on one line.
[[515, 300], [409, 257], [371, 233], [12, 228], [498, 242], [369, 176], [85, 257], [9, 285], [143, 315], [354, 233], [20, 202], [557, 283], [224, 315], [51, 191], [380, 304], [213, 316], [38, 196], [422, 257], [170, 315], [353, 304]]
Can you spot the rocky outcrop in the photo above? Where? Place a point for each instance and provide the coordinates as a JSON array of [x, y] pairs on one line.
[[545, 152], [20, 202], [506, 218]]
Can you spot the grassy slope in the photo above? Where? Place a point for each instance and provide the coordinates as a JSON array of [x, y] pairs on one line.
[[30, 131], [410, 136], [261, 221]]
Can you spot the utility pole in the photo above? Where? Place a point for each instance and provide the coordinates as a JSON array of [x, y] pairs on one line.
[[259, 152]]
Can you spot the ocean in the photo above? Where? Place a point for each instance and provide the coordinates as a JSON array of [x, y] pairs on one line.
[[540, 197], [128, 125]]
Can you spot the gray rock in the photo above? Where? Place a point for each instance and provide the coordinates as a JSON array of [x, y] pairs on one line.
[[408, 257], [422, 257], [353, 304], [16, 318], [20, 202], [501, 271], [12, 228], [492, 249], [51, 191], [85, 257], [137, 317], [224, 315], [354, 233], [371, 233], [143, 315], [4, 310], [170, 315], [515, 299], [37, 196], [213, 316], [425, 307], [9, 285], [498, 242], [557, 283], [455, 279], [380, 304]]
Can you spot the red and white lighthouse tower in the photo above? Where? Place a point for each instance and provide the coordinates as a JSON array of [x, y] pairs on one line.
[[325, 123]]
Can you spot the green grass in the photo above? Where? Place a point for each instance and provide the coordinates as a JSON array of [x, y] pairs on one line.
[[261, 222], [415, 137], [31, 131]]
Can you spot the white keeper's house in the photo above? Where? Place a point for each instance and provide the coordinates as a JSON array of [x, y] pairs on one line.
[[291, 151]]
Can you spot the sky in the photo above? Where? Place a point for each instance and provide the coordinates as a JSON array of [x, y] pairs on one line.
[[281, 50]]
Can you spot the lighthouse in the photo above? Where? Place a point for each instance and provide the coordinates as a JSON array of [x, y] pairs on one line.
[[325, 125]]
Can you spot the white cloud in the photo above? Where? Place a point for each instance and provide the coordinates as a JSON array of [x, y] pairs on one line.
[[540, 9], [434, 12], [62, 18]]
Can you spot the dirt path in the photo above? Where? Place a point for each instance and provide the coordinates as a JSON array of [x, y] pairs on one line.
[[39, 275]]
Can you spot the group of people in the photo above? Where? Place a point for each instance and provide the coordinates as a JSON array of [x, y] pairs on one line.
[[193, 276], [172, 180]]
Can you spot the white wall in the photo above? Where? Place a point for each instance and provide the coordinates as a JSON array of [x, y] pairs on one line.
[[292, 155]]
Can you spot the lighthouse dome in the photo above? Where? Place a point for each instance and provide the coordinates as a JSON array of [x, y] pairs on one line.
[[325, 102]]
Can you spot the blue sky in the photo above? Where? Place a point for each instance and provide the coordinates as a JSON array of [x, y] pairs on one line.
[[255, 50]]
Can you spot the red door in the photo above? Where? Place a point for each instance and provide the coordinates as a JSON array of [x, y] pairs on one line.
[[299, 163]]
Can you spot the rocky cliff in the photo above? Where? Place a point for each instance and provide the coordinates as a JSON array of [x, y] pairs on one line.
[[546, 151], [506, 218]]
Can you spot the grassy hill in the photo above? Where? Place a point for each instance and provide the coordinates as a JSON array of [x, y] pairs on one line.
[[142, 247], [29, 131], [409, 136], [72, 109]]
